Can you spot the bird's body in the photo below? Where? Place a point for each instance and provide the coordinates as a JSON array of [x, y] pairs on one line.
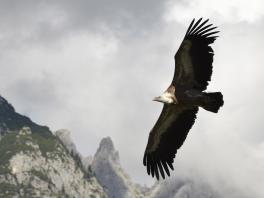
[[186, 93]]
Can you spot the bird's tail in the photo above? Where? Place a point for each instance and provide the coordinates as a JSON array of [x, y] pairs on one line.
[[213, 101]]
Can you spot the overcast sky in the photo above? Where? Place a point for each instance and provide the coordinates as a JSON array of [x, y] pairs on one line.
[[93, 67]]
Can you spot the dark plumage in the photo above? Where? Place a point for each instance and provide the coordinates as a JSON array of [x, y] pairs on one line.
[[193, 70]]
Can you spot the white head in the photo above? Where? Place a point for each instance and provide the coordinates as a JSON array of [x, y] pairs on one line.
[[159, 99], [166, 97]]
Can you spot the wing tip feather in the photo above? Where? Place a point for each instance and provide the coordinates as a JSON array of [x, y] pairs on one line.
[[200, 29], [159, 161]]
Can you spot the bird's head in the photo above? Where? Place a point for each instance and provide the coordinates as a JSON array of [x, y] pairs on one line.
[[166, 98], [160, 99]]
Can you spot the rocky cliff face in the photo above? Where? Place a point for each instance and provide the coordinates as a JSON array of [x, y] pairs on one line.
[[105, 165], [108, 171], [34, 162]]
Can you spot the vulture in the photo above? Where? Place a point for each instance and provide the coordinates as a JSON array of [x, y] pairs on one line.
[[182, 99]]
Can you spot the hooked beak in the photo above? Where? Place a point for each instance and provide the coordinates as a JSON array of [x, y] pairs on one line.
[[156, 99]]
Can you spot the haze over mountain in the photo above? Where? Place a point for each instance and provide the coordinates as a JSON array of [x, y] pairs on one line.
[[34, 162]]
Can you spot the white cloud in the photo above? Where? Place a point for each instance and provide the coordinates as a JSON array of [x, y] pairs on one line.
[[231, 11], [62, 84]]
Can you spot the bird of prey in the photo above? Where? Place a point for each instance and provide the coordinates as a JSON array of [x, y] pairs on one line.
[[186, 93]]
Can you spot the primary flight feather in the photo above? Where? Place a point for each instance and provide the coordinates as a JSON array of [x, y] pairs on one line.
[[193, 70]]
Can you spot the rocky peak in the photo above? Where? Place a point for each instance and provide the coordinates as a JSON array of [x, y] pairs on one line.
[[107, 151], [5, 107], [106, 144], [108, 171], [6, 111], [10, 120]]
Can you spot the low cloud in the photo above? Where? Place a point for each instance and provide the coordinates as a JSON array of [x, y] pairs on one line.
[[226, 11]]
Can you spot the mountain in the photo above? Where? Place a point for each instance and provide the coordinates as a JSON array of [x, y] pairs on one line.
[[35, 163], [105, 165], [117, 184], [108, 171]]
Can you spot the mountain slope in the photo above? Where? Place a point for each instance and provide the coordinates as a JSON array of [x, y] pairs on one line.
[[35, 163]]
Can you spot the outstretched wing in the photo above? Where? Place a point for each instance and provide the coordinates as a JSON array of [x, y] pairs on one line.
[[166, 137], [194, 58]]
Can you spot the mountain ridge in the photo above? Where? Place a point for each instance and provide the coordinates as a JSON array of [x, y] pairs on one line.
[[34, 162]]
